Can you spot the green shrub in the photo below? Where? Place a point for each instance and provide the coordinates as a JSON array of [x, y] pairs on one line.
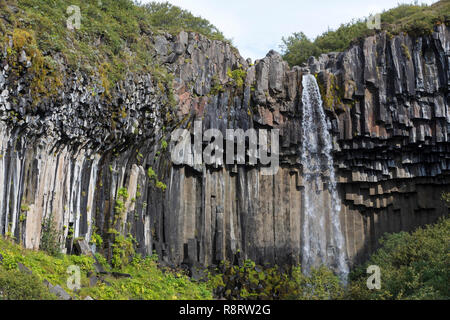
[[298, 48], [96, 239], [123, 251], [166, 16], [154, 178], [250, 281], [160, 185], [416, 20], [148, 281], [151, 173], [123, 192], [413, 266], [9, 261], [119, 207], [50, 237], [238, 76], [16, 285]]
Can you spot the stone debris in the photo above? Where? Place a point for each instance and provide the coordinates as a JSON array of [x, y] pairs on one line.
[[57, 290]]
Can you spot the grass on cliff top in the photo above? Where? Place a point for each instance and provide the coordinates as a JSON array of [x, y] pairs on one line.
[[148, 281], [113, 36], [416, 20]]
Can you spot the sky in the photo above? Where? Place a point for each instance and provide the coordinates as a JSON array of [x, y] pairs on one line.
[[257, 26]]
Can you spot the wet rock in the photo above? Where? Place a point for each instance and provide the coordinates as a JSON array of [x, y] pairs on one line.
[[57, 290], [82, 247], [121, 275], [93, 281]]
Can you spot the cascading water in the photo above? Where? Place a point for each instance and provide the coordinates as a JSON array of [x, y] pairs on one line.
[[322, 239]]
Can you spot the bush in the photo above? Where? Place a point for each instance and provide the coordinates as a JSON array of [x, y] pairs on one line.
[[50, 237], [16, 285], [168, 17], [298, 48], [123, 251], [250, 281], [413, 266], [416, 20]]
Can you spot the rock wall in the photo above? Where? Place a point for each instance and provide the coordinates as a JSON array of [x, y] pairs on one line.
[[67, 156]]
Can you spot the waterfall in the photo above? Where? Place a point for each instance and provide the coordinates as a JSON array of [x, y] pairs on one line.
[[322, 239]]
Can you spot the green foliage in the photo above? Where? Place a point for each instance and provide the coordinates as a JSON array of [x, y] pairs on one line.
[[238, 76], [152, 176], [148, 280], [406, 52], [445, 196], [119, 207], [161, 185], [165, 16], [164, 145], [123, 251], [24, 207], [85, 263], [45, 79], [297, 48], [43, 266], [413, 266], [114, 37], [9, 262], [250, 281], [416, 20], [50, 236], [331, 93], [16, 285], [123, 193], [151, 173], [216, 86], [96, 239]]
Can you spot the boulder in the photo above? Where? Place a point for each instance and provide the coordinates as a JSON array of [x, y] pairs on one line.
[[24, 269]]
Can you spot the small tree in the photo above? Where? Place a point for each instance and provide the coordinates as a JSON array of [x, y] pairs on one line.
[[50, 236]]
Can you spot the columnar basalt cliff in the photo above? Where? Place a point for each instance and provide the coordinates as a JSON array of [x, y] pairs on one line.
[[67, 156]]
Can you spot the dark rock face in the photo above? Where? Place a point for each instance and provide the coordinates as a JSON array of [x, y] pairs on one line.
[[387, 107]]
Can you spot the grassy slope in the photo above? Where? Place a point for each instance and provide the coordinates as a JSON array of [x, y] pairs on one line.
[[413, 266], [148, 282], [114, 36], [415, 20]]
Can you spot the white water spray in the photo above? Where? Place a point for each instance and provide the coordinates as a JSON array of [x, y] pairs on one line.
[[322, 239]]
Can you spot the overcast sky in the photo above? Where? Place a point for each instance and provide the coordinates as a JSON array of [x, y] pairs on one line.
[[257, 26]]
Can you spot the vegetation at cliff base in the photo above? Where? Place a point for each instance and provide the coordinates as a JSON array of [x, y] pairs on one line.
[[254, 282], [147, 281], [413, 19], [413, 266]]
